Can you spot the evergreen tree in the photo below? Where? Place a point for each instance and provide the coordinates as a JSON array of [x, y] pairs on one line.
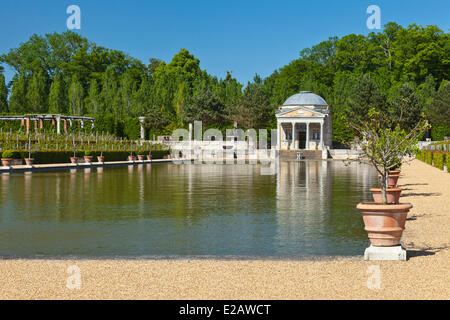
[[18, 102], [93, 100], [3, 94], [365, 95], [76, 94], [406, 107], [57, 97], [37, 93]]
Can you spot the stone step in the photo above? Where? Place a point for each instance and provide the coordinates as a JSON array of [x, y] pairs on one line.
[[306, 154]]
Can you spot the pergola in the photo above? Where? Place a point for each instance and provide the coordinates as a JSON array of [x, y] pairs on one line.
[[55, 118]]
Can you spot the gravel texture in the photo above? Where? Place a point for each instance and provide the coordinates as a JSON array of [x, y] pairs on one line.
[[426, 275]]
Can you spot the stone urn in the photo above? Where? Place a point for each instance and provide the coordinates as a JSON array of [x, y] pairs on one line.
[[141, 157], [29, 161], [384, 223], [131, 158], [88, 159], [74, 160], [149, 157], [101, 159], [392, 195], [6, 162]]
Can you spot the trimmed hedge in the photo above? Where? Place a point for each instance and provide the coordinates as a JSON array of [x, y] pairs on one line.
[[49, 157], [439, 159], [435, 158]]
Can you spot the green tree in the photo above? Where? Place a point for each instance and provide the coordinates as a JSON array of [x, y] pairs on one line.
[[406, 107], [37, 95], [57, 99], [366, 94], [3, 94], [205, 107], [75, 97], [93, 100], [17, 101], [438, 112]]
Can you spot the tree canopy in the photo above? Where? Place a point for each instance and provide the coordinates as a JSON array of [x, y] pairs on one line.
[[402, 70]]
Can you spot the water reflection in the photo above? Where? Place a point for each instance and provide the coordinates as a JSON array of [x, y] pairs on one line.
[[306, 208]]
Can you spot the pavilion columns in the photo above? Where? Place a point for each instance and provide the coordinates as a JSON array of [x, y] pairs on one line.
[[28, 125], [307, 136], [293, 135], [35, 126], [22, 122], [321, 136], [93, 124], [41, 124], [278, 135], [65, 126], [141, 121], [82, 124], [58, 125]]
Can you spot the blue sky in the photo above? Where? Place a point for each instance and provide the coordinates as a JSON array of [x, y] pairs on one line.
[[245, 37]]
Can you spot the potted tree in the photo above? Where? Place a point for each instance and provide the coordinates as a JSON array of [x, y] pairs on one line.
[[7, 157], [101, 158], [88, 156], [29, 161], [384, 144]]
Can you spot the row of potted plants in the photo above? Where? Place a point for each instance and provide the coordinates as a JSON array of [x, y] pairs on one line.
[[386, 146], [57, 156]]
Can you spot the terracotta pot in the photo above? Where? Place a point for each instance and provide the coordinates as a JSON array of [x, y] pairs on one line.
[[169, 156], [101, 159], [6, 162], [149, 157], [141, 157], [392, 180], [131, 158], [74, 160], [392, 195], [384, 223], [88, 159], [394, 172], [29, 161]]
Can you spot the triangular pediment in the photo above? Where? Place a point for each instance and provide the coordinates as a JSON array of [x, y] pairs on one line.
[[300, 112]]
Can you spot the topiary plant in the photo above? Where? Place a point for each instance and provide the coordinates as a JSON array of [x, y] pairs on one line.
[[7, 154]]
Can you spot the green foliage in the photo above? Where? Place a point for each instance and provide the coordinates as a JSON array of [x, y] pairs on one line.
[[66, 73], [7, 154], [439, 159], [53, 156], [57, 99], [3, 94], [88, 153], [438, 132], [384, 142]]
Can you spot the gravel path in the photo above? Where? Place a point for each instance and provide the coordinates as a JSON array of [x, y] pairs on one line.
[[426, 275]]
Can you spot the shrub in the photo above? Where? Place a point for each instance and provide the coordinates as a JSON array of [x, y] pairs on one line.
[[447, 160], [7, 154], [57, 156], [88, 153], [438, 159]]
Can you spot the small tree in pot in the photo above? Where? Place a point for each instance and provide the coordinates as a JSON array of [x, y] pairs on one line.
[[384, 144]]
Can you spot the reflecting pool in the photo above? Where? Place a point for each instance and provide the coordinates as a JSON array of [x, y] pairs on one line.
[[306, 208]]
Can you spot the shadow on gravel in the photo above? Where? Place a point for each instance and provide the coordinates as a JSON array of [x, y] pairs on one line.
[[424, 252], [412, 194], [413, 184]]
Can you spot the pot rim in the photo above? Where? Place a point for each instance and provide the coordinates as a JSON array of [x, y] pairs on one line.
[[374, 206], [6, 159]]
